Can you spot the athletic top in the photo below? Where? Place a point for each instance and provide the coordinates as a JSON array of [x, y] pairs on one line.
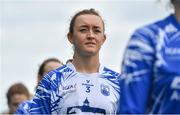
[[151, 68], [66, 91]]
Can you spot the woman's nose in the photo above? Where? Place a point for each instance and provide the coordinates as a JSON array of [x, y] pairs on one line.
[[90, 34]]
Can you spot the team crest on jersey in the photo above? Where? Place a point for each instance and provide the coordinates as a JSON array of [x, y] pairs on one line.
[[105, 90], [85, 108]]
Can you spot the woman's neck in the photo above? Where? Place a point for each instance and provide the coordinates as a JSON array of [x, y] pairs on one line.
[[177, 11], [88, 64]]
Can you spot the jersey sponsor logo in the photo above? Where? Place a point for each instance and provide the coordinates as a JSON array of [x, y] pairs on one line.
[[68, 88], [88, 86], [105, 90], [85, 108], [176, 87]]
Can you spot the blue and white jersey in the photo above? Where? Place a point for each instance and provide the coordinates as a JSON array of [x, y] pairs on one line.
[[151, 68], [66, 91], [24, 107]]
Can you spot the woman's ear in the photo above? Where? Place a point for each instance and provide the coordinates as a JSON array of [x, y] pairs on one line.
[[70, 38], [104, 38]]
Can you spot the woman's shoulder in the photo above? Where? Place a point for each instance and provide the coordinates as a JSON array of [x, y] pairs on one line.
[[60, 70], [59, 74], [109, 72]]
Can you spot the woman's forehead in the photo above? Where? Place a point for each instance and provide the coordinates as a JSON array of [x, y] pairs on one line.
[[88, 19]]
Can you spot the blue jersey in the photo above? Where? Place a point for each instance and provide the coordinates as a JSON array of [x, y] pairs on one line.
[[151, 67], [66, 91]]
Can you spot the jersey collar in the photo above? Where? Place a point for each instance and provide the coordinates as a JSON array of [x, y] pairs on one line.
[[70, 65]]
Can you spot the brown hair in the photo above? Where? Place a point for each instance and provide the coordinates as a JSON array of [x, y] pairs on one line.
[[83, 12], [41, 68], [17, 88]]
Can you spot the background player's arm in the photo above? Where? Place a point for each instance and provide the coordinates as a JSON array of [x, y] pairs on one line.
[[137, 68]]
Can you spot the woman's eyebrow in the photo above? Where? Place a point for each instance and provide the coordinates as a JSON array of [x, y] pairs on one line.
[[85, 26], [98, 27]]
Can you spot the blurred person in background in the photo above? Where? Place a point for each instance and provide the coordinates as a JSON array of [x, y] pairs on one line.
[[151, 68], [46, 66], [83, 85], [16, 94]]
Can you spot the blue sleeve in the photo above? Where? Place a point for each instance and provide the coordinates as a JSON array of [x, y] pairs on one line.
[[23, 108], [137, 69], [41, 102], [42, 99]]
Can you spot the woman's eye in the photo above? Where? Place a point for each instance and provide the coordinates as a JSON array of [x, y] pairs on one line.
[[83, 30], [97, 31]]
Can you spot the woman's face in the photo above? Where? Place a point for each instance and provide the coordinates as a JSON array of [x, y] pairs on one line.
[[51, 65], [88, 35], [16, 99]]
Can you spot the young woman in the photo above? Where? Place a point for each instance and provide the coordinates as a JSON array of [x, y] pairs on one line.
[[16, 94], [46, 66], [152, 68], [83, 85]]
